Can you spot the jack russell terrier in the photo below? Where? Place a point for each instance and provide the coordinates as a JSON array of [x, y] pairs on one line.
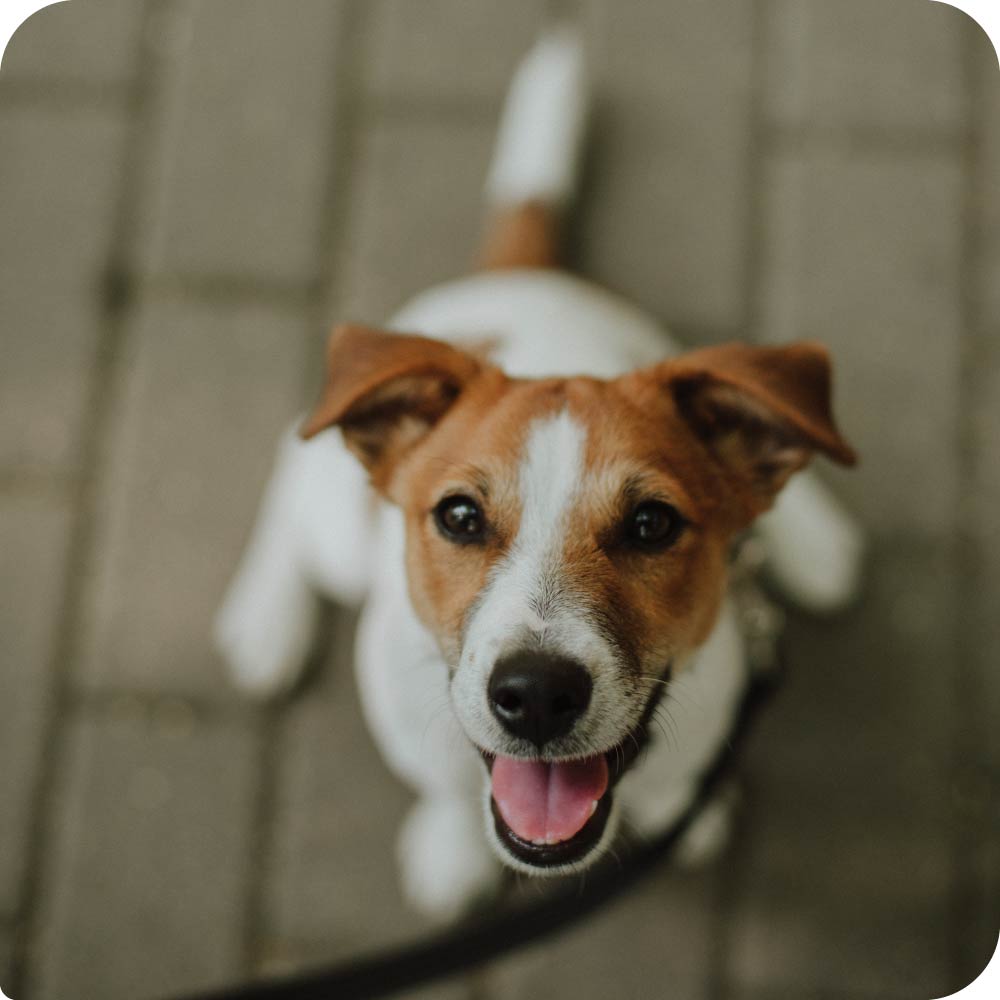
[[536, 508]]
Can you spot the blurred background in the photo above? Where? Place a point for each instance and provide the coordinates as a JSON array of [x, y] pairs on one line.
[[192, 192]]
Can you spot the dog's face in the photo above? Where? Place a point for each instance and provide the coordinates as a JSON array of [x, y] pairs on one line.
[[567, 542]]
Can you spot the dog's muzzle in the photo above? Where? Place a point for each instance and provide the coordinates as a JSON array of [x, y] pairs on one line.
[[552, 814]]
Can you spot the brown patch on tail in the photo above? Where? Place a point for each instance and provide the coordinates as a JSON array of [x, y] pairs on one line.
[[526, 235]]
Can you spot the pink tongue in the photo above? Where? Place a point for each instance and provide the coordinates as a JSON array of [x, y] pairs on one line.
[[548, 802]]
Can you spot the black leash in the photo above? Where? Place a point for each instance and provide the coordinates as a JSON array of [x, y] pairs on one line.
[[481, 939]]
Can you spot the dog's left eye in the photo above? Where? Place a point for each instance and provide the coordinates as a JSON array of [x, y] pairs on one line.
[[460, 519], [654, 524]]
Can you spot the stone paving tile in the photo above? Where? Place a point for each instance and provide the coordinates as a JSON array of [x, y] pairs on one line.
[[146, 880], [655, 942], [986, 419], [744, 992], [252, 124], [87, 41], [847, 871], [980, 779], [887, 668], [461, 989], [6, 957], [332, 889], [664, 216], [979, 930], [448, 49], [34, 535], [207, 388], [415, 216], [59, 180], [862, 252], [896, 64], [986, 204], [810, 951], [980, 504]]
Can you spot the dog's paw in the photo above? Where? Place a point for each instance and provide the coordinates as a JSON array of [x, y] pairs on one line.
[[815, 548], [707, 836], [447, 866], [264, 637], [651, 816]]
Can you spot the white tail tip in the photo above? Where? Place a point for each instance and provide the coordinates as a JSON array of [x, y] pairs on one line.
[[541, 130]]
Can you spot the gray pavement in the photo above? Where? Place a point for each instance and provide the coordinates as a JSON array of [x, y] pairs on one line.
[[192, 192]]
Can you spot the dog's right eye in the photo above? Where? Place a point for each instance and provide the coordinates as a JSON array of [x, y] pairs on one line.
[[654, 525], [460, 519]]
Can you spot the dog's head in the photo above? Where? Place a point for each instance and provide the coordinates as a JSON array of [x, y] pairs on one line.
[[567, 541]]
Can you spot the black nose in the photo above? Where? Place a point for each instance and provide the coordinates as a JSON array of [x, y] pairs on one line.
[[538, 696]]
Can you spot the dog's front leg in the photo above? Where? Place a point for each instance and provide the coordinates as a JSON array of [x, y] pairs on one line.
[[652, 809], [446, 864], [309, 537]]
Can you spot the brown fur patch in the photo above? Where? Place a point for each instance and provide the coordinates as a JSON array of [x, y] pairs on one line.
[[527, 235]]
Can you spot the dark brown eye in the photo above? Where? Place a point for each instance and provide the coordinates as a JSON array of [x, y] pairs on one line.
[[460, 520], [654, 525]]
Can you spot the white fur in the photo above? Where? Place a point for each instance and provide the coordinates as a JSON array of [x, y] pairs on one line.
[[447, 864], [538, 142], [695, 716], [544, 322], [814, 548], [265, 625], [320, 531]]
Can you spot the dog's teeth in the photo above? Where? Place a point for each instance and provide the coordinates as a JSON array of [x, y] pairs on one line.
[[593, 807], [541, 842]]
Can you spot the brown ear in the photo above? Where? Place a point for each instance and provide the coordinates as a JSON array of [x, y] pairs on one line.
[[761, 411], [386, 391]]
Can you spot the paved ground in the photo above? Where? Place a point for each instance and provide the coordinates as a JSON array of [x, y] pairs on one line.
[[192, 192]]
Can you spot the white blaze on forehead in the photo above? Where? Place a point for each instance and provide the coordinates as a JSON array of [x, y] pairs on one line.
[[549, 478]]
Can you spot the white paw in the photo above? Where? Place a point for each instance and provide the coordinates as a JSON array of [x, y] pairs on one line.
[[707, 835], [445, 861], [815, 548], [264, 633]]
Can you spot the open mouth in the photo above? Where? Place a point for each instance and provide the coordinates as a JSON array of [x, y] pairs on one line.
[[550, 813]]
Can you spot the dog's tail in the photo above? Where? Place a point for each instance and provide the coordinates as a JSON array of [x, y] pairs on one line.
[[536, 161]]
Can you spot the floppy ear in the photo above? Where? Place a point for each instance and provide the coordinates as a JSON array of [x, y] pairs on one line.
[[386, 391], [761, 411]]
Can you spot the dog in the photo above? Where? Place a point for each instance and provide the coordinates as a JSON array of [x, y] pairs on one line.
[[534, 494]]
